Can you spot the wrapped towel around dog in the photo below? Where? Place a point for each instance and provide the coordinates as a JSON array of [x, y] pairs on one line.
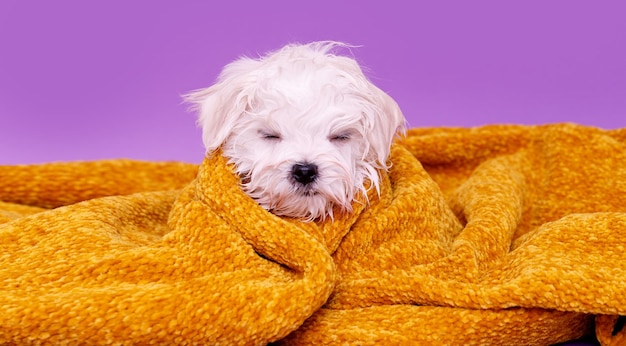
[[494, 235]]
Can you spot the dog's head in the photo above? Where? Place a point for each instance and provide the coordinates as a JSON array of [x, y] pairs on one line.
[[303, 127]]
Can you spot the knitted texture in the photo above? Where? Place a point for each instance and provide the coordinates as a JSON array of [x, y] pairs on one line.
[[503, 235]]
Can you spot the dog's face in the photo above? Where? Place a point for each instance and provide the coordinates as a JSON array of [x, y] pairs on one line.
[[304, 129]]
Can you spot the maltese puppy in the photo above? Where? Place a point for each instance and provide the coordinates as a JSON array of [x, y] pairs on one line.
[[303, 128]]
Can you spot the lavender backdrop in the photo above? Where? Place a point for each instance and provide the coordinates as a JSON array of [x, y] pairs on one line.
[[102, 79]]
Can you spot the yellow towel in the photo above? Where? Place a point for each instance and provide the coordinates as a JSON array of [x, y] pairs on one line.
[[504, 235]]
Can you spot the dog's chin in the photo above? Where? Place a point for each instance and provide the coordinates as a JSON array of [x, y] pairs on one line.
[[309, 205], [306, 204]]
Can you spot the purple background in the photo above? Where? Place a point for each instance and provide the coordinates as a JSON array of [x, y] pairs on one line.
[[102, 79]]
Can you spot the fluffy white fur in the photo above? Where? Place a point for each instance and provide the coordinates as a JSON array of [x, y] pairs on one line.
[[302, 104]]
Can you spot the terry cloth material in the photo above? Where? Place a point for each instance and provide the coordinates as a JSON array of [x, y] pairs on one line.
[[504, 235]]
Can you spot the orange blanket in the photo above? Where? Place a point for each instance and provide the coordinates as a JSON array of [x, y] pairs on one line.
[[494, 235]]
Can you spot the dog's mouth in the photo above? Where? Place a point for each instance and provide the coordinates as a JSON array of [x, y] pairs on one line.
[[306, 190], [310, 193]]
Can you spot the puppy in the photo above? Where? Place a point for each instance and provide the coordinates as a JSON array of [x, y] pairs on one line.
[[302, 126]]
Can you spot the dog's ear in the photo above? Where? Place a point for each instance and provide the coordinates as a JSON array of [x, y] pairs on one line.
[[383, 122], [221, 105]]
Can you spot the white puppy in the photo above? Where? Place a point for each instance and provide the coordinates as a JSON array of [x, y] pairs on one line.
[[303, 127]]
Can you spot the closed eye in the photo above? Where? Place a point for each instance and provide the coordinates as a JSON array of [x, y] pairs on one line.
[[270, 136], [340, 137]]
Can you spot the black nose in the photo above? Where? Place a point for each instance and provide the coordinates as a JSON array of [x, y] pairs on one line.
[[304, 173]]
